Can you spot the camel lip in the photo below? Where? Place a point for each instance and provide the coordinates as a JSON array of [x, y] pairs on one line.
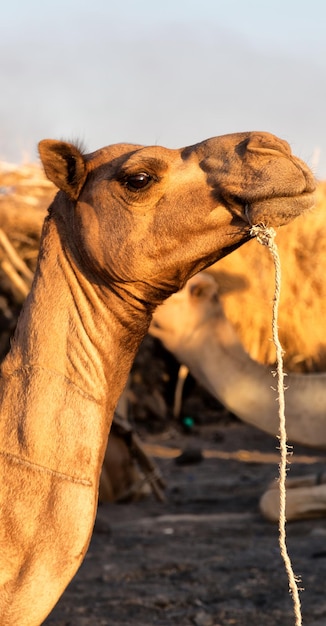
[[309, 193], [287, 208]]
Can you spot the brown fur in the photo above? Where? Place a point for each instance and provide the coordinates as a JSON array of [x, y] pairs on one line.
[[111, 250]]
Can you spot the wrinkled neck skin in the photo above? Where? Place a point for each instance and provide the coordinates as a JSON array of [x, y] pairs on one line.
[[217, 359], [75, 327], [70, 358]]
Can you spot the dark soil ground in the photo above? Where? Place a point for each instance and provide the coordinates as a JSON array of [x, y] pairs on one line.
[[205, 557]]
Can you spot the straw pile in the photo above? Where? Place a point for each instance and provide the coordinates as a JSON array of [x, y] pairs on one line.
[[25, 195]]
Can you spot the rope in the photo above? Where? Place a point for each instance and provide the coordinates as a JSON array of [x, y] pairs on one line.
[[265, 236]]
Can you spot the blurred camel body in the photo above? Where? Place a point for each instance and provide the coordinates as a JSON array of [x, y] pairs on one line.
[[193, 326], [128, 227]]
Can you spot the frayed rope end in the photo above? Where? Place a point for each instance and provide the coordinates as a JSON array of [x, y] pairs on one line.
[[263, 234]]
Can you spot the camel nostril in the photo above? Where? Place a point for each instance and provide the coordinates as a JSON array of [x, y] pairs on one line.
[[263, 143]]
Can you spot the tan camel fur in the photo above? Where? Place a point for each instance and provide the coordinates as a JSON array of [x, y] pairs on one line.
[[129, 226], [193, 326]]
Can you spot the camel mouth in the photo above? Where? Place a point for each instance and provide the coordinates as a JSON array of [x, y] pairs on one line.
[[279, 211]]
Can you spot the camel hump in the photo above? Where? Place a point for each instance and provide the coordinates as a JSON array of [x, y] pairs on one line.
[[64, 164]]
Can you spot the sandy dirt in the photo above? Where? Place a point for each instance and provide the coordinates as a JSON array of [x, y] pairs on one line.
[[205, 557]]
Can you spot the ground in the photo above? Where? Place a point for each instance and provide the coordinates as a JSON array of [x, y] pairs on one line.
[[204, 557]]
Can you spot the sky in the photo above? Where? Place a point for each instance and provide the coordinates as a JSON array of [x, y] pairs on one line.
[[171, 72]]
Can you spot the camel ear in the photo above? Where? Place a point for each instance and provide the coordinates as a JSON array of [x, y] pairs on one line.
[[64, 165], [204, 289]]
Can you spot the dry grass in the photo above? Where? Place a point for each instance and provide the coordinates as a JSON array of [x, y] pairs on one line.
[[25, 195]]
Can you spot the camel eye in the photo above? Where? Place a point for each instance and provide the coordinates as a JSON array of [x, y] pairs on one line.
[[135, 182]]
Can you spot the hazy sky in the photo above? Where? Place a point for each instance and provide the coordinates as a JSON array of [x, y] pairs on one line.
[[171, 72]]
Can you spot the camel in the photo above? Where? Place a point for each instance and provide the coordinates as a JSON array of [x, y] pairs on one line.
[[127, 228], [193, 326]]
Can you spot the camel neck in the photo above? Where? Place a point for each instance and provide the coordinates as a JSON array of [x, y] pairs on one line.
[[69, 361], [77, 329], [239, 384]]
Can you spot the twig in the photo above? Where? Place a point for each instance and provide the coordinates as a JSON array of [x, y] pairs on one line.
[[14, 258], [17, 281]]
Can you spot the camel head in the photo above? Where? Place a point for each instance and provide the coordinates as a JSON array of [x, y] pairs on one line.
[[145, 219], [180, 321], [182, 314]]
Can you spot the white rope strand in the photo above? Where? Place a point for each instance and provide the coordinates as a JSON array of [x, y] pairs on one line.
[[266, 236]]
